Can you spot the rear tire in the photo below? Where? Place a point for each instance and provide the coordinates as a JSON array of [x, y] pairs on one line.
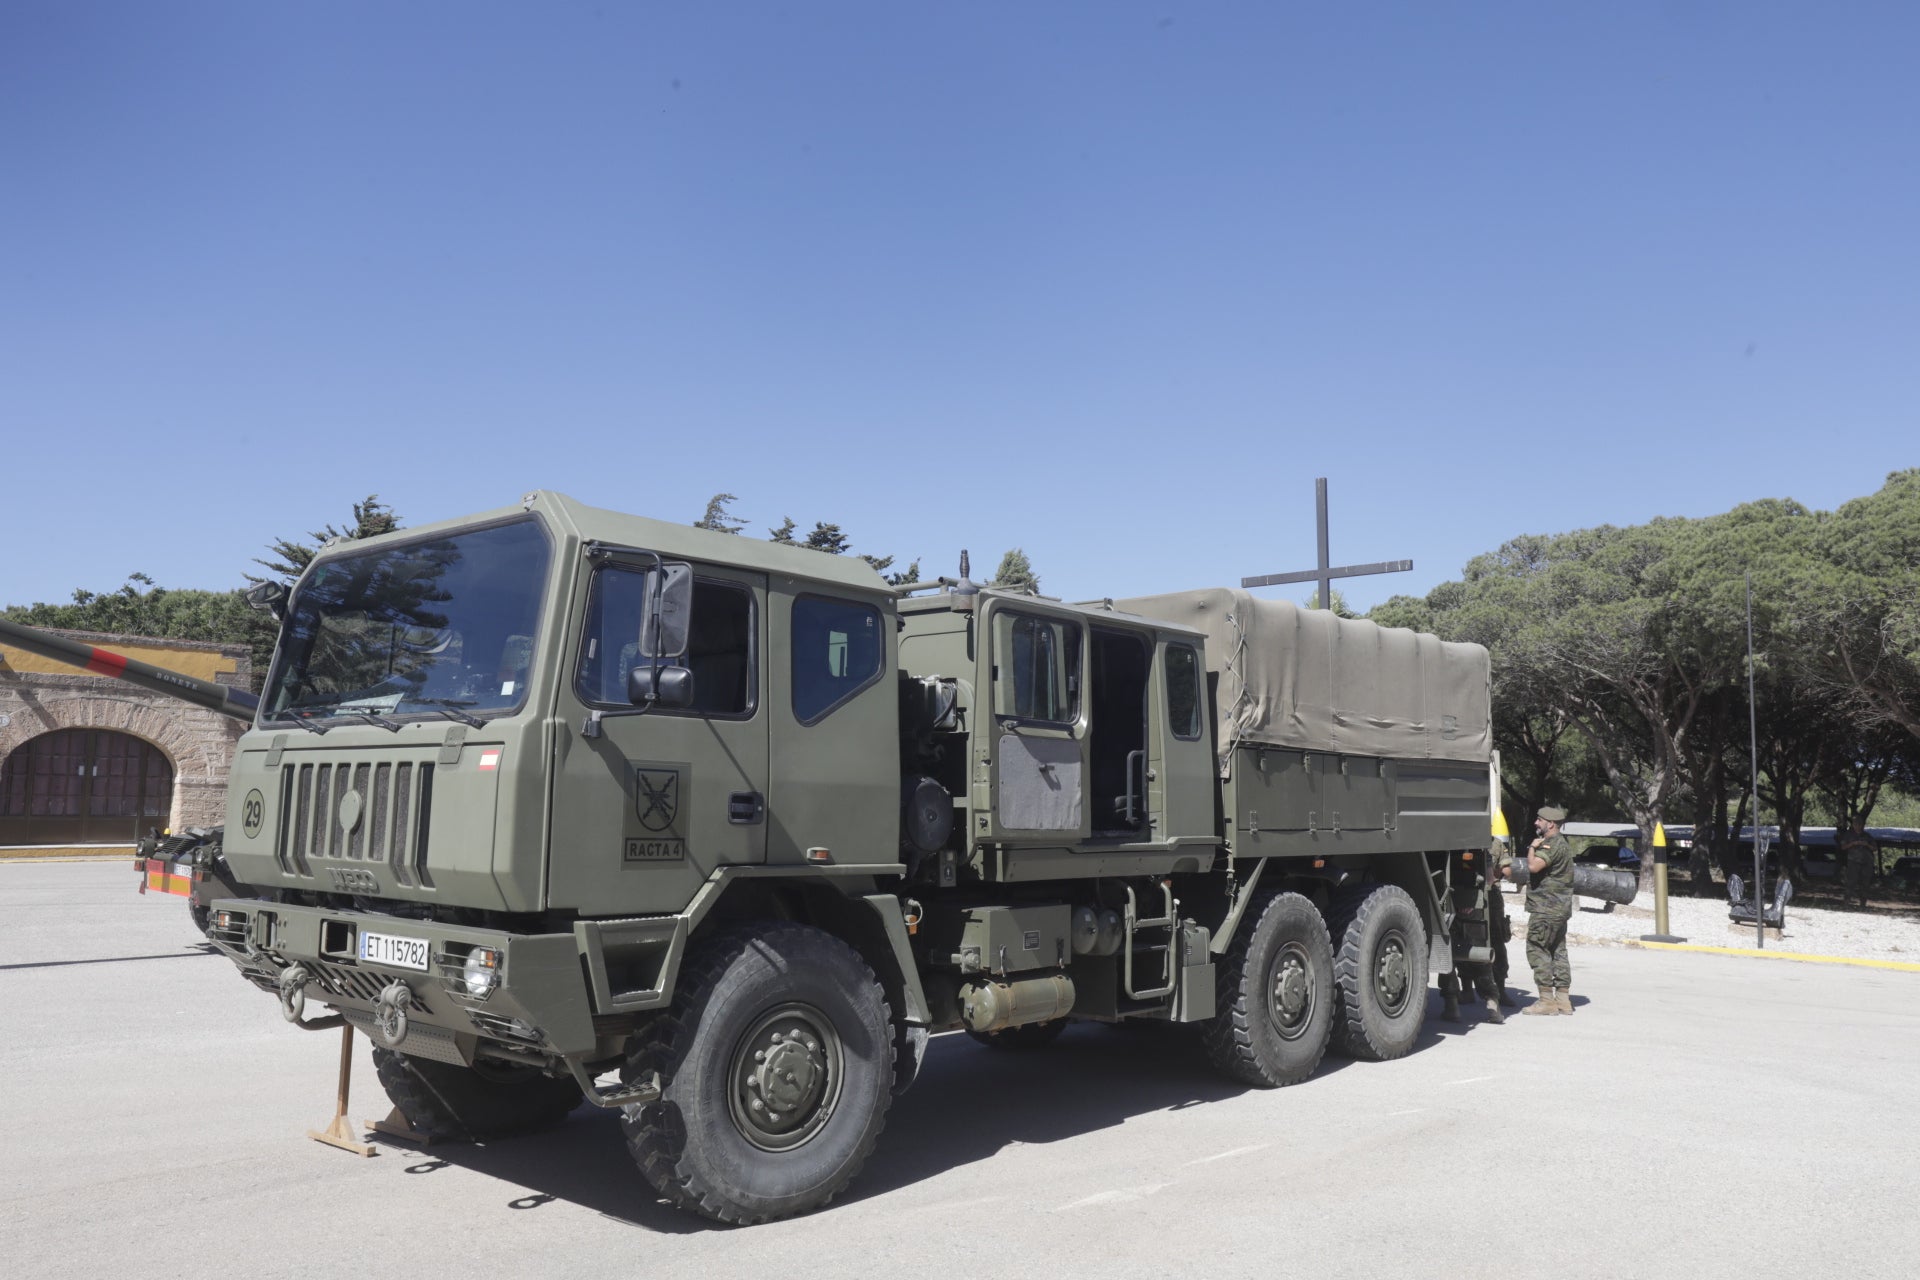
[[473, 1103], [1275, 996], [1381, 973], [776, 1063]]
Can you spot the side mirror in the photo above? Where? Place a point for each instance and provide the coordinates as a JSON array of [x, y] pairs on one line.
[[666, 613], [672, 688], [268, 597]]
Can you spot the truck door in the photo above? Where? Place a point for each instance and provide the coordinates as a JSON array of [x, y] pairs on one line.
[[1035, 757], [647, 804], [1120, 662]]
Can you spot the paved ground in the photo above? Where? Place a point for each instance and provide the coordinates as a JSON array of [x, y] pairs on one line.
[[1700, 1116]]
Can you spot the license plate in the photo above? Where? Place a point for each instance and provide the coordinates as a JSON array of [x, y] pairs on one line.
[[401, 953]]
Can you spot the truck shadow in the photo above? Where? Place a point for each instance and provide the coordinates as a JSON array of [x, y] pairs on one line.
[[1093, 1077]]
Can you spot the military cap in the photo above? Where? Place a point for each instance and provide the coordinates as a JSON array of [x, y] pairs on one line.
[[1552, 814]]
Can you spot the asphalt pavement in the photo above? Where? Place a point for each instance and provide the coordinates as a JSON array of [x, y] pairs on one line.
[[1699, 1116]]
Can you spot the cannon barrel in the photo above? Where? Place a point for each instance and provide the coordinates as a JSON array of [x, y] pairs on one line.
[[1605, 883], [228, 701]]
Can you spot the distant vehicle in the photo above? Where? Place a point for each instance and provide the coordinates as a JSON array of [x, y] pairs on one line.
[[1621, 857], [1905, 873], [1820, 864]]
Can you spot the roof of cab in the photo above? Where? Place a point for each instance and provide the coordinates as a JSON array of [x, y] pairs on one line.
[[669, 539]]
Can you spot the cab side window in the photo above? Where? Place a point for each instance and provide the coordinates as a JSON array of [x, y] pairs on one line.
[[1183, 691], [837, 650], [1036, 668], [719, 646]]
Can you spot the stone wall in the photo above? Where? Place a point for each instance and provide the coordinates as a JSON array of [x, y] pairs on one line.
[[199, 743]]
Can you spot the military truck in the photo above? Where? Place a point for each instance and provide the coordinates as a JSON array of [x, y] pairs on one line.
[[556, 804]]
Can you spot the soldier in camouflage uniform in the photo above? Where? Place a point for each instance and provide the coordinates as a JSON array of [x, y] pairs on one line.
[[1477, 896], [1549, 907]]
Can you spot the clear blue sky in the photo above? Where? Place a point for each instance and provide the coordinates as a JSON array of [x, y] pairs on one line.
[[1110, 282]]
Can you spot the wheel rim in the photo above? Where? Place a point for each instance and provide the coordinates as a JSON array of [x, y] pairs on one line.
[[785, 1077], [1290, 996], [1392, 974]]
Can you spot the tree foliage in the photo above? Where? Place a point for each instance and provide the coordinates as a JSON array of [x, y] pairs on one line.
[[829, 539], [142, 608], [1016, 573], [1619, 659], [717, 517], [290, 556]]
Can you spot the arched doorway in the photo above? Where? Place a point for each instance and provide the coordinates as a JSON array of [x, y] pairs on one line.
[[83, 786]]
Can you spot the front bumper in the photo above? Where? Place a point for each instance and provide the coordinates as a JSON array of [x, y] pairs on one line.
[[541, 1004]]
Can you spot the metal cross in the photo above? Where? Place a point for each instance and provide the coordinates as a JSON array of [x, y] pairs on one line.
[[1325, 574]]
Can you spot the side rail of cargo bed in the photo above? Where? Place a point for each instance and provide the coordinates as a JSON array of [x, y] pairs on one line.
[[1284, 802]]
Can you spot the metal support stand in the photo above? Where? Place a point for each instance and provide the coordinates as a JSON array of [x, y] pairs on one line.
[[1660, 933], [341, 1132]]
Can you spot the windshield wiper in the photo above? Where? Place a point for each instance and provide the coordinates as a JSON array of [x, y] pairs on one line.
[[370, 717], [300, 716], [450, 708]]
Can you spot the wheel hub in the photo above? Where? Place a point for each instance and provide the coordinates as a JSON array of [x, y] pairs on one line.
[[1390, 977], [1291, 1000], [785, 1078]]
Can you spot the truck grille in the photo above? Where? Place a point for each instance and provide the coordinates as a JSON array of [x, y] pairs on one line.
[[396, 804]]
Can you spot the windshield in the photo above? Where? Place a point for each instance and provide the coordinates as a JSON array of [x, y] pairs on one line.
[[443, 627]]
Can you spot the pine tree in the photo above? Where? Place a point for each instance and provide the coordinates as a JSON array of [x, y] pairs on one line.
[[1016, 573], [828, 538], [718, 518], [784, 534], [370, 519]]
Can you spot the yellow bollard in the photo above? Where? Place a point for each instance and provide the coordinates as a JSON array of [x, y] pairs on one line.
[[1660, 933]]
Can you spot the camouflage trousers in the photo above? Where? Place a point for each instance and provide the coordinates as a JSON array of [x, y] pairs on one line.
[[1547, 952]]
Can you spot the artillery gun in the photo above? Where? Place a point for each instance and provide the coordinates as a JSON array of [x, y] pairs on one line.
[[559, 804]]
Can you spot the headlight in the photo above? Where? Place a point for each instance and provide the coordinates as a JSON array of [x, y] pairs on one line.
[[482, 973]]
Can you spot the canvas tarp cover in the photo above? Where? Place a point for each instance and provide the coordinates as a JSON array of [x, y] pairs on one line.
[[1308, 679]]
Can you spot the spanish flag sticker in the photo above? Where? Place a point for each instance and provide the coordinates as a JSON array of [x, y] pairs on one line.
[[490, 759]]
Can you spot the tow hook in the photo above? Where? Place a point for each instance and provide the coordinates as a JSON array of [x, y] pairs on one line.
[[390, 1013], [293, 993], [293, 1001]]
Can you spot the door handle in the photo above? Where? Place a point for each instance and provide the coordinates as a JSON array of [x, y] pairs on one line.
[[744, 808]]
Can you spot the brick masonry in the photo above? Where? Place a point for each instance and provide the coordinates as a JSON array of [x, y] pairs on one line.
[[198, 743]]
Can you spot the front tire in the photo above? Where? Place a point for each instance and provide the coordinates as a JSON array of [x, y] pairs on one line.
[[473, 1103], [1275, 996], [776, 1063], [1381, 973]]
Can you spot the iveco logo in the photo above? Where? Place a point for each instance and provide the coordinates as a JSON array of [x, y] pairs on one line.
[[658, 797], [354, 880]]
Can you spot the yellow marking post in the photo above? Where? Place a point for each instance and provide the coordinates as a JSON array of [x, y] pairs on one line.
[[1903, 966]]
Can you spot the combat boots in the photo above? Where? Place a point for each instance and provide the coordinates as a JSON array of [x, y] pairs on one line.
[[1546, 1004], [1449, 1003], [1489, 991], [1563, 1001]]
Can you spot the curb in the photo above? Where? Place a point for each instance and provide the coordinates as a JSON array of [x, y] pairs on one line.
[[68, 853], [1903, 966]]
